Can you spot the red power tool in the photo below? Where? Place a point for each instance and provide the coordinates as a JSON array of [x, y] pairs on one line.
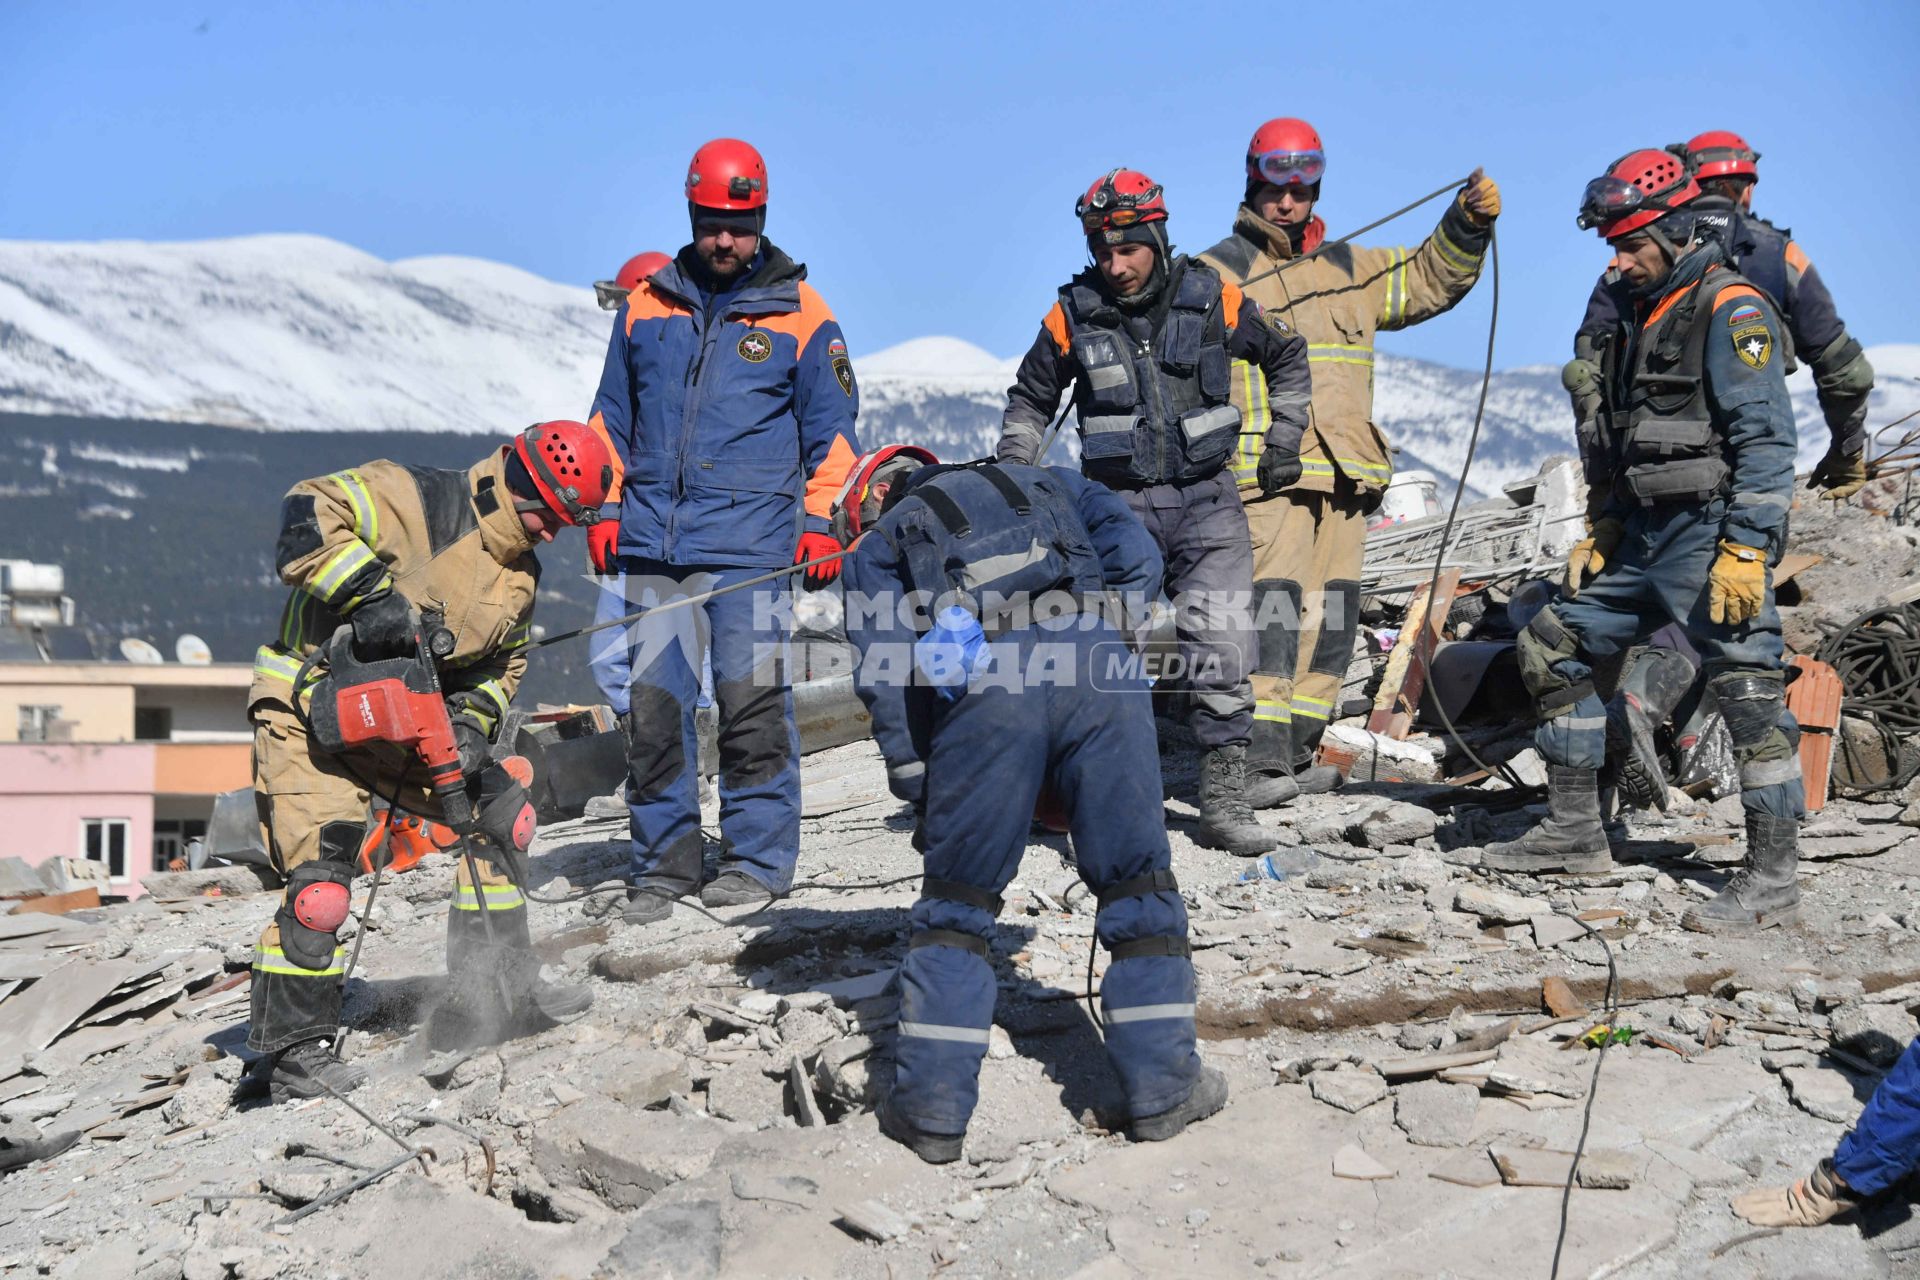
[[398, 701]]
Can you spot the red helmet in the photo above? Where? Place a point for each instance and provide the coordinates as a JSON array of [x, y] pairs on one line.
[[611, 293], [1120, 198], [864, 495], [727, 174], [1286, 151], [1720, 153], [570, 467], [1637, 190]]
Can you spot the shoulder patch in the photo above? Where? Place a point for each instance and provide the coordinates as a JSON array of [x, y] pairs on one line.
[[754, 346], [836, 347], [1745, 313], [443, 500], [1754, 345], [843, 373], [1275, 322]]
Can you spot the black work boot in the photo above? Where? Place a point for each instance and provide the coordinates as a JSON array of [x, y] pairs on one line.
[[934, 1148], [535, 995], [648, 902], [1226, 819], [1764, 892], [1569, 838], [736, 889], [309, 1069], [1208, 1096], [1659, 679]]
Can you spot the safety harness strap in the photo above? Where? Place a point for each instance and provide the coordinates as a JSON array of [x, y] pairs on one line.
[[965, 894], [946, 509], [1161, 881], [1014, 495], [1159, 946], [949, 938]]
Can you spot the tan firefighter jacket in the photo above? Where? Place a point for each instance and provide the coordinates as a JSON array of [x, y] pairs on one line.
[[450, 541], [1337, 301]]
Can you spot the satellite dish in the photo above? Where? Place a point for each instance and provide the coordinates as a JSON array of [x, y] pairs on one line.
[[141, 652], [193, 651]]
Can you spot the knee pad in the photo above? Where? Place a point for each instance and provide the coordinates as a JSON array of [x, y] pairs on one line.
[[755, 734], [1544, 642], [1126, 940], [1752, 704], [503, 812], [318, 895], [1339, 625], [656, 752], [1276, 614]]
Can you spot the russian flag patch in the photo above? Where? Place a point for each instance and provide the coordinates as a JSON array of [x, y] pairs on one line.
[[1745, 313]]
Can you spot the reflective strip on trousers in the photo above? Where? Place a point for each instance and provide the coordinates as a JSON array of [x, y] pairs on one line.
[[274, 960], [937, 1031], [1149, 1013], [1768, 773], [1312, 708], [500, 897], [1277, 712]]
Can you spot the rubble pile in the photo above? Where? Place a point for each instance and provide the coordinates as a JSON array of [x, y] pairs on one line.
[[1411, 1042]]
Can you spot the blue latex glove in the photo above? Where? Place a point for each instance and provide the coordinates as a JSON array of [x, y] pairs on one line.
[[949, 654]]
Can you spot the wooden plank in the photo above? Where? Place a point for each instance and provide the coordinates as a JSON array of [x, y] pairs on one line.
[[35, 1018], [1428, 1064], [58, 904], [1398, 701]]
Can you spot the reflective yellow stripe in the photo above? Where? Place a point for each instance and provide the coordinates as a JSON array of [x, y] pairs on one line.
[[264, 959], [1315, 467], [1453, 253], [500, 897], [349, 560], [275, 664], [1354, 464], [495, 693], [1278, 715], [520, 634], [366, 516], [1312, 708], [1253, 428], [1396, 287], [1338, 353]]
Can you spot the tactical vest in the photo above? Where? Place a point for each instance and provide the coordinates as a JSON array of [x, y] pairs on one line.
[[1154, 412], [986, 534], [1667, 447]]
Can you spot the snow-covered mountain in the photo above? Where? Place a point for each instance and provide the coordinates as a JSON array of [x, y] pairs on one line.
[[303, 333]]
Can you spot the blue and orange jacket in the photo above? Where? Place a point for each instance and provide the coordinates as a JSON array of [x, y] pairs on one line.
[[734, 430]]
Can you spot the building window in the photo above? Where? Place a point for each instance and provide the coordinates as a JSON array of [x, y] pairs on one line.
[[36, 722], [152, 724], [104, 840], [171, 837]]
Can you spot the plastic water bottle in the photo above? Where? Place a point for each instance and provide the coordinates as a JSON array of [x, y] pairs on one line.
[[1280, 864]]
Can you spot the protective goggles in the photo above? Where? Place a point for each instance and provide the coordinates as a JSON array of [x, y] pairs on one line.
[[1092, 219], [608, 294], [1290, 168], [1609, 199]]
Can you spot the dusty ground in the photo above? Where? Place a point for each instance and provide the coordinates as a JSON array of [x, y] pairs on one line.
[[707, 1118], [659, 1135]]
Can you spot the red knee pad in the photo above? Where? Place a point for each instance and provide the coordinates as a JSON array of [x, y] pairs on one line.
[[322, 907]]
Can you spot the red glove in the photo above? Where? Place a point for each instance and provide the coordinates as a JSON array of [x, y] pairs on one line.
[[603, 544], [812, 547]]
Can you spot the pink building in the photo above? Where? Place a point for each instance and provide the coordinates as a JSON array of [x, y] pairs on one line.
[[117, 763]]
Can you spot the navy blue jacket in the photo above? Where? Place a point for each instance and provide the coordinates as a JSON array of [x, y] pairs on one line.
[[731, 415], [877, 578]]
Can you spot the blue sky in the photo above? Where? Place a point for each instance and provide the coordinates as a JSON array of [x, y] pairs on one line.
[[924, 158]]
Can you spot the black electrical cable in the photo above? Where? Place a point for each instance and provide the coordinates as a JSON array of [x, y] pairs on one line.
[[1610, 1008], [1877, 656]]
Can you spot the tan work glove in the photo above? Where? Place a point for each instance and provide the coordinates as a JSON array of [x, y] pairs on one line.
[[1480, 198], [1592, 554], [1841, 475], [1818, 1198], [1737, 584]]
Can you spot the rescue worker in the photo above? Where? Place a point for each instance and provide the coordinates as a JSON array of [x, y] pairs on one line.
[[611, 293], [1694, 449], [1727, 170], [1879, 1152], [981, 601], [1309, 533], [729, 400], [1147, 338], [375, 547]]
